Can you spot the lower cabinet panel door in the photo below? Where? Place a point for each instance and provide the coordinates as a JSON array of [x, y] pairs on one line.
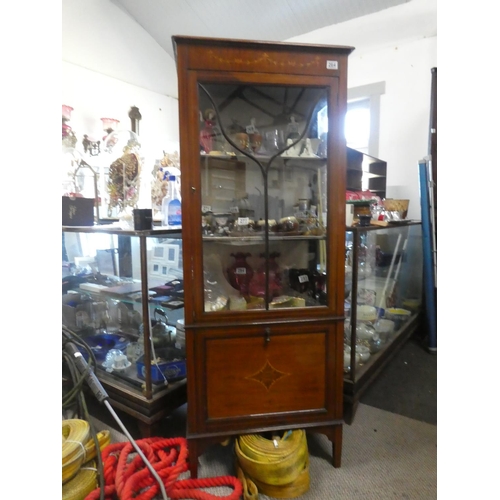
[[248, 376]]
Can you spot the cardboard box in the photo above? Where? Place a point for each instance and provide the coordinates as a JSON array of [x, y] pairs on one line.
[[77, 211]]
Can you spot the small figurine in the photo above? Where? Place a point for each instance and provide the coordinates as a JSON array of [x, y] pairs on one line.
[[251, 129], [207, 132], [292, 129], [254, 136], [210, 134], [307, 151], [289, 142], [292, 151]]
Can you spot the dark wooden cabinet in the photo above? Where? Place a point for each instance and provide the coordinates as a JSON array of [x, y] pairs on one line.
[[263, 208]]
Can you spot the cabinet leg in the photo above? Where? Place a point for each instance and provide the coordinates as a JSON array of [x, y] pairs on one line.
[[193, 453], [334, 434], [337, 446], [147, 430]]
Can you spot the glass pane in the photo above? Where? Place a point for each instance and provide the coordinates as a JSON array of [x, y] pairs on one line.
[[263, 177], [103, 294], [383, 294]]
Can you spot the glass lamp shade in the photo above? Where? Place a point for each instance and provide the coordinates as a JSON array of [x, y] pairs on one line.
[[109, 124], [66, 112]]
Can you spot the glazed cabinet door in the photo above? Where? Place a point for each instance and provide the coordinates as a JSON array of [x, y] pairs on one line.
[[268, 374], [262, 193]]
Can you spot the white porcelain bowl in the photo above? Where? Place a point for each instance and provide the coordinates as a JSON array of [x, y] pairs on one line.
[[363, 352], [366, 313], [366, 332]]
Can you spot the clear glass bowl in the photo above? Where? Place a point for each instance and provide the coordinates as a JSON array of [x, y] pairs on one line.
[[110, 358]]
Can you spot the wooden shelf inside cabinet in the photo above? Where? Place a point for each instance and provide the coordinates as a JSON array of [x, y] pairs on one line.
[[248, 366]]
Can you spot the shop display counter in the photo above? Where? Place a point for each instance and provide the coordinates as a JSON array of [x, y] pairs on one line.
[[122, 295], [384, 272]]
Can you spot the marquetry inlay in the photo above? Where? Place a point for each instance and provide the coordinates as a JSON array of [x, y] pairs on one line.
[[267, 375], [266, 58]]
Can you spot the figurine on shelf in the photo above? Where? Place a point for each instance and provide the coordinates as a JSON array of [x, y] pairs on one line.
[[207, 131], [251, 129], [254, 136], [307, 151], [292, 129], [210, 134], [291, 149]]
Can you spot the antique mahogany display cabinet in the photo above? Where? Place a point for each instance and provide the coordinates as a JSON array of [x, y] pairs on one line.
[[263, 167]]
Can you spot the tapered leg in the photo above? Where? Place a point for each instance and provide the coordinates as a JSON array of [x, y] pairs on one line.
[[194, 451], [337, 446]]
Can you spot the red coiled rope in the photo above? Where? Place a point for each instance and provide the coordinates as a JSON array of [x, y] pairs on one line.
[[127, 478]]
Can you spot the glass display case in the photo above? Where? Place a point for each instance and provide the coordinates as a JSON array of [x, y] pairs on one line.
[[122, 296], [383, 300], [263, 163]]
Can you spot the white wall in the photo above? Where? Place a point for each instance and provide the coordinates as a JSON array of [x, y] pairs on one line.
[[404, 110], [99, 36], [397, 46], [94, 96], [110, 64]]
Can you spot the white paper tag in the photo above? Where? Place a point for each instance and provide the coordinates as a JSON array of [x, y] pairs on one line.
[[243, 221], [332, 65], [303, 278]]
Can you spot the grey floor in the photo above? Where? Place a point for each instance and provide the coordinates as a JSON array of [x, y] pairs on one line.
[[408, 384]]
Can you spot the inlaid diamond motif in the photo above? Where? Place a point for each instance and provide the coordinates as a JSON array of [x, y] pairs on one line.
[[267, 375]]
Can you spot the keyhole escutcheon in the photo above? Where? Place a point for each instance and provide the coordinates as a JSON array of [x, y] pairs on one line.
[[267, 333]]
